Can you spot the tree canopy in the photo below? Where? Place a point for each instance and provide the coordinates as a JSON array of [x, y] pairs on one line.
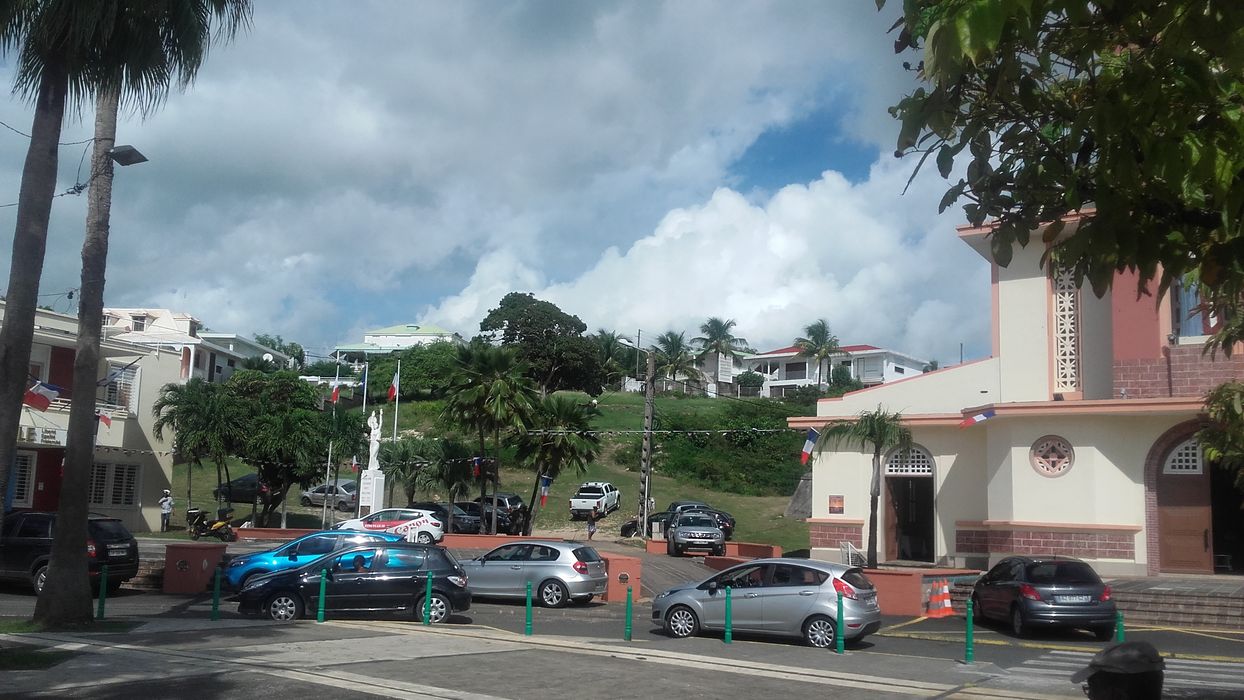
[[549, 341], [1129, 113]]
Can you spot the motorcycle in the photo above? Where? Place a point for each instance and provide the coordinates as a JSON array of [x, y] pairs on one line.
[[198, 525]]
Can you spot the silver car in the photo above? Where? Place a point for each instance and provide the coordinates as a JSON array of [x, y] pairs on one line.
[[695, 531], [341, 496], [789, 597], [557, 571]]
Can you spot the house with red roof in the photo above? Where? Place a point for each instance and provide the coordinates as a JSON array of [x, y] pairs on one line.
[[788, 368]]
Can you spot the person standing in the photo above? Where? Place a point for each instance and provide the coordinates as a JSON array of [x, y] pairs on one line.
[[591, 522], [166, 509]]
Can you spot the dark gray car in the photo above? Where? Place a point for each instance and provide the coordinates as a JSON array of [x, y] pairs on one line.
[[789, 597], [1032, 592]]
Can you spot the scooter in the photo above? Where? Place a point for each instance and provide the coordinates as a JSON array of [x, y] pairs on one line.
[[198, 525]]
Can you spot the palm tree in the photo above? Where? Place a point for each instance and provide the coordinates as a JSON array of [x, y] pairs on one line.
[[448, 470], [675, 357], [819, 344], [490, 393], [122, 50], [930, 366], [558, 438], [609, 350], [207, 423], [719, 340], [402, 462], [883, 431], [287, 444]]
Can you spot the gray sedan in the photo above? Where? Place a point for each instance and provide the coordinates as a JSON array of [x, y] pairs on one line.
[[557, 571], [789, 597]]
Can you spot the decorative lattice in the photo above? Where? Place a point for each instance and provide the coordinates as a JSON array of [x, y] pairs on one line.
[[914, 461], [1188, 458], [1052, 456], [1066, 332]]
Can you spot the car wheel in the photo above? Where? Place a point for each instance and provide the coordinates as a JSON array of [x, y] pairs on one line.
[[1018, 626], [39, 578], [1103, 633], [681, 622], [284, 607], [344, 507], [194, 534], [439, 609], [819, 632], [719, 551], [425, 538], [305, 501], [553, 594], [677, 551]]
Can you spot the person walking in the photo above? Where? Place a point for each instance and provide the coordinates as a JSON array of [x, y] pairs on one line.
[[166, 509], [591, 522]]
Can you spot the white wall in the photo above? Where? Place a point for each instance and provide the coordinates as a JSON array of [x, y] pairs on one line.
[[1024, 327], [946, 391]]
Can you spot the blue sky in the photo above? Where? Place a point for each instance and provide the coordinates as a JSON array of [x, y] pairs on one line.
[[343, 167]]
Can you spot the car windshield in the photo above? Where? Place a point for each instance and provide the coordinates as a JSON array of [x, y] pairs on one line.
[[696, 521], [1061, 572]]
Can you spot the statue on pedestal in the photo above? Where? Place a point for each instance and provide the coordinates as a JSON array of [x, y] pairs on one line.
[[373, 438]]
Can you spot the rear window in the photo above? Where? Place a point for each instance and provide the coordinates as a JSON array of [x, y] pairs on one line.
[[1061, 572], [35, 526], [591, 492], [441, 559], [113, 529], [857, 579], [586, 554]]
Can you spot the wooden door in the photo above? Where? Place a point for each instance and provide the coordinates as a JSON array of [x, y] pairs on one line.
[[890, 496], [1185, 524]]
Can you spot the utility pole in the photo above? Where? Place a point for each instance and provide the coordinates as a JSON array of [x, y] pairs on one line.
[[645, 455]]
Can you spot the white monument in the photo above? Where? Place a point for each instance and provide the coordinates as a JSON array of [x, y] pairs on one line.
[[371, 481]]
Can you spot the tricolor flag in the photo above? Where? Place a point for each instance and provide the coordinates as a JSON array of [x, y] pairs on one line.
[[544, 489], [393, 388], [336, 393], [40, 395], [978, 418], [808, 445], [104, 418]]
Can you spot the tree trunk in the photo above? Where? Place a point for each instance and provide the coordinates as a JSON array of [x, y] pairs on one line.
[[532, 509], [34, 207], [66, 596], [496, 474], [873, 494], [483, 481]]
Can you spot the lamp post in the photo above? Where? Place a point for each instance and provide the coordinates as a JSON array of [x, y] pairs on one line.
[[645, 453]]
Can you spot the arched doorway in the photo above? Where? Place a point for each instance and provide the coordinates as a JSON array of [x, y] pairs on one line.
[[909, 512]]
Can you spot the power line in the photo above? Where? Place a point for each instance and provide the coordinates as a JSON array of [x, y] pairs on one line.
[[61, 143]]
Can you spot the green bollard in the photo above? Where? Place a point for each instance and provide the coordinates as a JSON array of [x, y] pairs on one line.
[[319, 612], [527, 623], [729, 619], [103, 591], [626, 634], [216, 595], [969, 649], [427, 602], [1119, 633], [840, 641]]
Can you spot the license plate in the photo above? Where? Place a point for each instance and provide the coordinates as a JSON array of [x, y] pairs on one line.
[[1072, 598]]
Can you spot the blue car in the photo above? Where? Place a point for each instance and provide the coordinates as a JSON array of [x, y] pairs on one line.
[[293, 554]]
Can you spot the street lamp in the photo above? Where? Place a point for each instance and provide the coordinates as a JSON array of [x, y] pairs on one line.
[[645, 453], [126, 155]]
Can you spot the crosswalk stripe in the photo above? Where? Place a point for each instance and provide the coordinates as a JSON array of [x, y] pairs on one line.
[[1199, 675]]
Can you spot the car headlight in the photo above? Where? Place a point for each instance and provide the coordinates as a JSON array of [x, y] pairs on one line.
[[255, 582], [236, 563], [664, 594]]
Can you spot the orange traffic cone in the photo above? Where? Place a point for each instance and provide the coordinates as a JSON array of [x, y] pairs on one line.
[[939, 600]]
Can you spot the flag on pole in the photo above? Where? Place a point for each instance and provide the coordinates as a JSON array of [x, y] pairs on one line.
[[104, 418], [544, 489], [978, 418], [40, 395], [336, 393], [808, 445], [393, 388]]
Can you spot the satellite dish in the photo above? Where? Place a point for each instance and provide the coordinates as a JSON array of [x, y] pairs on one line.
[[267, 357]]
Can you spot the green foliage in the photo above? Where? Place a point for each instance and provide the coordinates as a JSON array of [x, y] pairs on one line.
[[1223, 438], [819, 343], [1130, 114], [276, 342], [719, 338], [549, 341], [324, 368], [749, 379], [676, 359]]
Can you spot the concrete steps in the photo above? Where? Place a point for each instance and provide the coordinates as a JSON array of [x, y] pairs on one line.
[[1174, 609], [150, 576]]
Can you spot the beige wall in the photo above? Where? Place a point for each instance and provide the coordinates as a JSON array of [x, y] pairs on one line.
[[948, 390], [1024, 327]]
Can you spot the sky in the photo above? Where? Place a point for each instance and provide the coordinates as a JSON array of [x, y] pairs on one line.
[[643, 165]]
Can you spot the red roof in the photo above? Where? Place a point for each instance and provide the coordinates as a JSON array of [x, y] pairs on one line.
[[842, 348]]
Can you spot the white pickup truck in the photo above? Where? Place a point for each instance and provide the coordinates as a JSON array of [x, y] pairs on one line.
[[602, 496]]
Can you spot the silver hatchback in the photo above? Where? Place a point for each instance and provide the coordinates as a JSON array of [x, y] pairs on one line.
[[788, 597], [559, 572]]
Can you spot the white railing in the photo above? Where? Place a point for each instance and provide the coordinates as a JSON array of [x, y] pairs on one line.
[[112, 409], [851, 556]]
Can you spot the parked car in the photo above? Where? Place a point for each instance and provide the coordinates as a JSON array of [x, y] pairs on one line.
[[630, 528], [462, 521], [599, 495], [244, 489], [26, 548], [295, 553], [343, 496], [725, 521], [1033, 592], [557, 571], [781, 596], [426, 527], [506, 502], [695, 530], [677, 507], [505, 524], [381, 576]]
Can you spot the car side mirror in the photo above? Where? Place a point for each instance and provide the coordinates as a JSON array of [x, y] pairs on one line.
[[293, 556], [712, 588]]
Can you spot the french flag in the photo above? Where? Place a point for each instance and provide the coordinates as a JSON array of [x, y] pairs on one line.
[[40, 395], [336, 393], [393, 388], [808, 445], [978, 418], [544, 489]]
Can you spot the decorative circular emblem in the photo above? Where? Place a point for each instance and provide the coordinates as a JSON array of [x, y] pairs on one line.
[[1051, 456], [183, 565]]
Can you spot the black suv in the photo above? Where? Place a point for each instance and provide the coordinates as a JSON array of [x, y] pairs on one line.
[[506, 502], [374, 576], [26, 547], [505, 524], [244, 489]]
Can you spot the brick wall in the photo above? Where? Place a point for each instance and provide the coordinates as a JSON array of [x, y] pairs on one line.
[[1190, 373], [833, 534], [1098, 545]]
